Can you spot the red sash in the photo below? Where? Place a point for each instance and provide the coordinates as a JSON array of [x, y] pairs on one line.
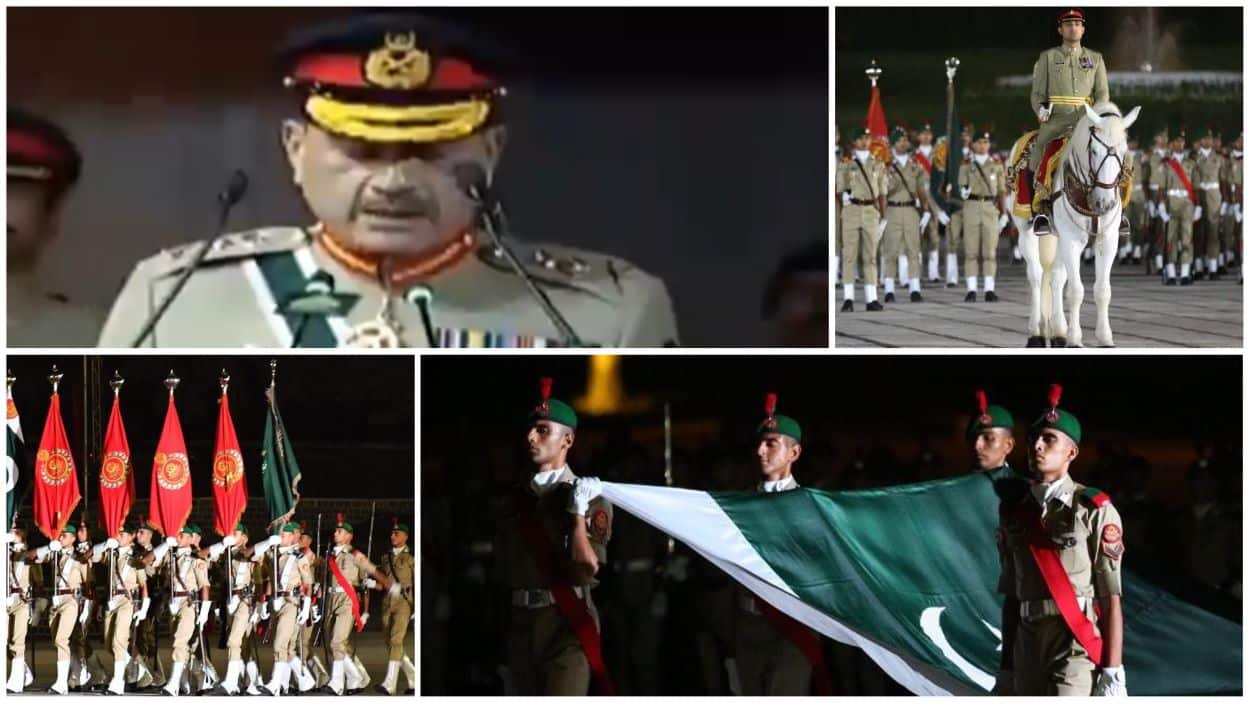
[[1056, 578], [348, 588], [806, 641], [1180, 173], [924, 161], [571, 607]]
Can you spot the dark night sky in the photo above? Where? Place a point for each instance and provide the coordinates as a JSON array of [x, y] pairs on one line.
[[350, 418]]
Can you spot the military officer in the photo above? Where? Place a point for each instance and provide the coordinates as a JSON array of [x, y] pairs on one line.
[[349, 568], [907, 213], [44, 165], [1134, 162], [552, 540], [69, 573], [982, 185], [19, 606], [1061, 548], [1208, 165], [236, 565], [317, 674], [400, 567], [402, 116], [188, 598], [929, 236], [127, 601], [862, 183], [991, 433], [1179, 207], [289, 578], [770, 660], [1065, 79]]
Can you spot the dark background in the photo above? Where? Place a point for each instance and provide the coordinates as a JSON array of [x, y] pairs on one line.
[[693, 142], [1162, 435], [911, 45], [349, 418]]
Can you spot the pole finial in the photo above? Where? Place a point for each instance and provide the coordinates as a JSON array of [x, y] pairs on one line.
[[171, 382], [55, 378], [116, 382], [224, 381]]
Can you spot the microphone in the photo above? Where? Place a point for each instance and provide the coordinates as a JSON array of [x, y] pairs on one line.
[[227, 198], [471, 178]]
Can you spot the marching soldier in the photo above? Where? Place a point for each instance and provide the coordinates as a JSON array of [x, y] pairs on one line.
[[188, 598], [773, 650], [313, 673], [20, 608], [1135, 163], [1061, 547], [289, 576], [1179, 207], [399, 566], [349, 569], [237, 567], [552, 541], [402, 117], [982, 185], [146, 669], [862, 183], [1208, 167], [1066, 78], [43, 167], [126, 598], [838, 158], [955, 229], [991, 433], [1233, 174], [69, 573], [907, 213], [1153, 176], [929, 235]]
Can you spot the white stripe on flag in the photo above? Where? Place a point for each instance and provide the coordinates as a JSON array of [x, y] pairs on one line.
[[696, 519]]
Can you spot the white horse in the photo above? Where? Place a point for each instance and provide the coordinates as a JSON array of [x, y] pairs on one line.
[[1088, 182]]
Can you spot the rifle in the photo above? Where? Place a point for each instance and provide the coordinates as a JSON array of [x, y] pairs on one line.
[[228, 586], [273, 596], [364, 602]]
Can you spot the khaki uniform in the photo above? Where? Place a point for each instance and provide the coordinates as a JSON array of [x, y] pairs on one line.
[[145, 644], [68, 575], [768, 663], [19, 595], [543, 652], [188, 575], [930, 237], [980, 214], [242, 599], [233, 300], [1206, 181], [1180, 244], [400, 567], [293, 577], [1048, 659], [38, 317], [1067, 78], [356, 567], [1154, 167], [907, 188], [315, 565], [633, 623], [1230, 228], [1136, 213], [860, 219], [125, 580]]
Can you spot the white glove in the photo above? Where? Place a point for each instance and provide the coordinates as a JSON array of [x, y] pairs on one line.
[[1163, 214], [731, 673], [143, 609], [277, 604], [370, 584], [229, 540], [316, 613], [98, 550], [924, 220], [1197, 213], [1150, 209], [395, 588], [364, 619], [203, 617], [1043, 112], [232, 604], [54, 546], [1110, 682], [965, 191], [1002, 222], [215, 551], [12, 599], [171, 541], [1004, 684], [586, 490], [1237, 212], [256, 613], [86, 612], [111, 543], [846, 198], [303, 612], [943, 218], [881, 229], [9, 538], [1223, 209]]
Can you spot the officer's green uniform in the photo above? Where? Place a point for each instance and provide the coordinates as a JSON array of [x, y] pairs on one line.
[[1180, 204], [906, 194], [986, 184], [1085, 529], [389, 79], [865, 182], [1068, 78], [544, 654]]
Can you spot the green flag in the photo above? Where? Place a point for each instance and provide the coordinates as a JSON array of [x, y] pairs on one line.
[[909, 574], [16, 472], [278, 468]]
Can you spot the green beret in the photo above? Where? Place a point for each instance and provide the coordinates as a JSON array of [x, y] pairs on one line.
[[130, 526], [774, 422], [1207, 131], [925, 127], [293, 527], [69, 529], [340, 524], [1057, 418], [191, 529], [551, 409], [989, 416], [401, 527], [1160, 129], [899, 132], [861, 132], [241, 528], [984, 134]]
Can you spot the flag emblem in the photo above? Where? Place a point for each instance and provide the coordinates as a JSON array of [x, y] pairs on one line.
[[11, 410], [113, 471], [173, 470], [55, 465], [227, 468]]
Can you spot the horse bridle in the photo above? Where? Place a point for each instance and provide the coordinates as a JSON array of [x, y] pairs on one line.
[[1110, 154]]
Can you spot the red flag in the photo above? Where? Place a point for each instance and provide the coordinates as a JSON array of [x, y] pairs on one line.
[[229, 488], [56, 479], [171, 477], [117, 476], [880, 144]]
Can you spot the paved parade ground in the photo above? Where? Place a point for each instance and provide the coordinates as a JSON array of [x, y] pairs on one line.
[[1144, 313]]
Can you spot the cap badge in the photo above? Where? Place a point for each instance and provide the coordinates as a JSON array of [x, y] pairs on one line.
[[398, 64]]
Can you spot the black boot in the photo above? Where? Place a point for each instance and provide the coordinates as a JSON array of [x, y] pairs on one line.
[[915, 297], [1037, 341], [1186, 281], [874, 306], [990, 297], [889, 297], [971, 297], [847, 306], [1059, 342]]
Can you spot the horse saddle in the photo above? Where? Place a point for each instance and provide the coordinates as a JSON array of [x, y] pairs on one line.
[[1030, 196]]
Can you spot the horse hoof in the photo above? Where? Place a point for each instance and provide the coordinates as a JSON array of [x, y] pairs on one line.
[[1035, 342], [1058, 342]]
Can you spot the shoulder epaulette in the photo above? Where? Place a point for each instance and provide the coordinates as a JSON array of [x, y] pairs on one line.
[[1095, 496]]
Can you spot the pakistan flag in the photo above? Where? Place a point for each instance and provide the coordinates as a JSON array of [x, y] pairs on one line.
[[909, 574]]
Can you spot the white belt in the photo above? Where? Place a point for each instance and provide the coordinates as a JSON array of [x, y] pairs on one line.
[[1046, 607], [636, 566], [1209, 185], [1178, 192], [540, 597]]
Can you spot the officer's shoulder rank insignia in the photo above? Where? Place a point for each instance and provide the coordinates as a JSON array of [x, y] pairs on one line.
[[237, 245]]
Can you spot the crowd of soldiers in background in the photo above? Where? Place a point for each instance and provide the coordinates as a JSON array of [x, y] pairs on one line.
[[667, 613], [1182, 240]]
